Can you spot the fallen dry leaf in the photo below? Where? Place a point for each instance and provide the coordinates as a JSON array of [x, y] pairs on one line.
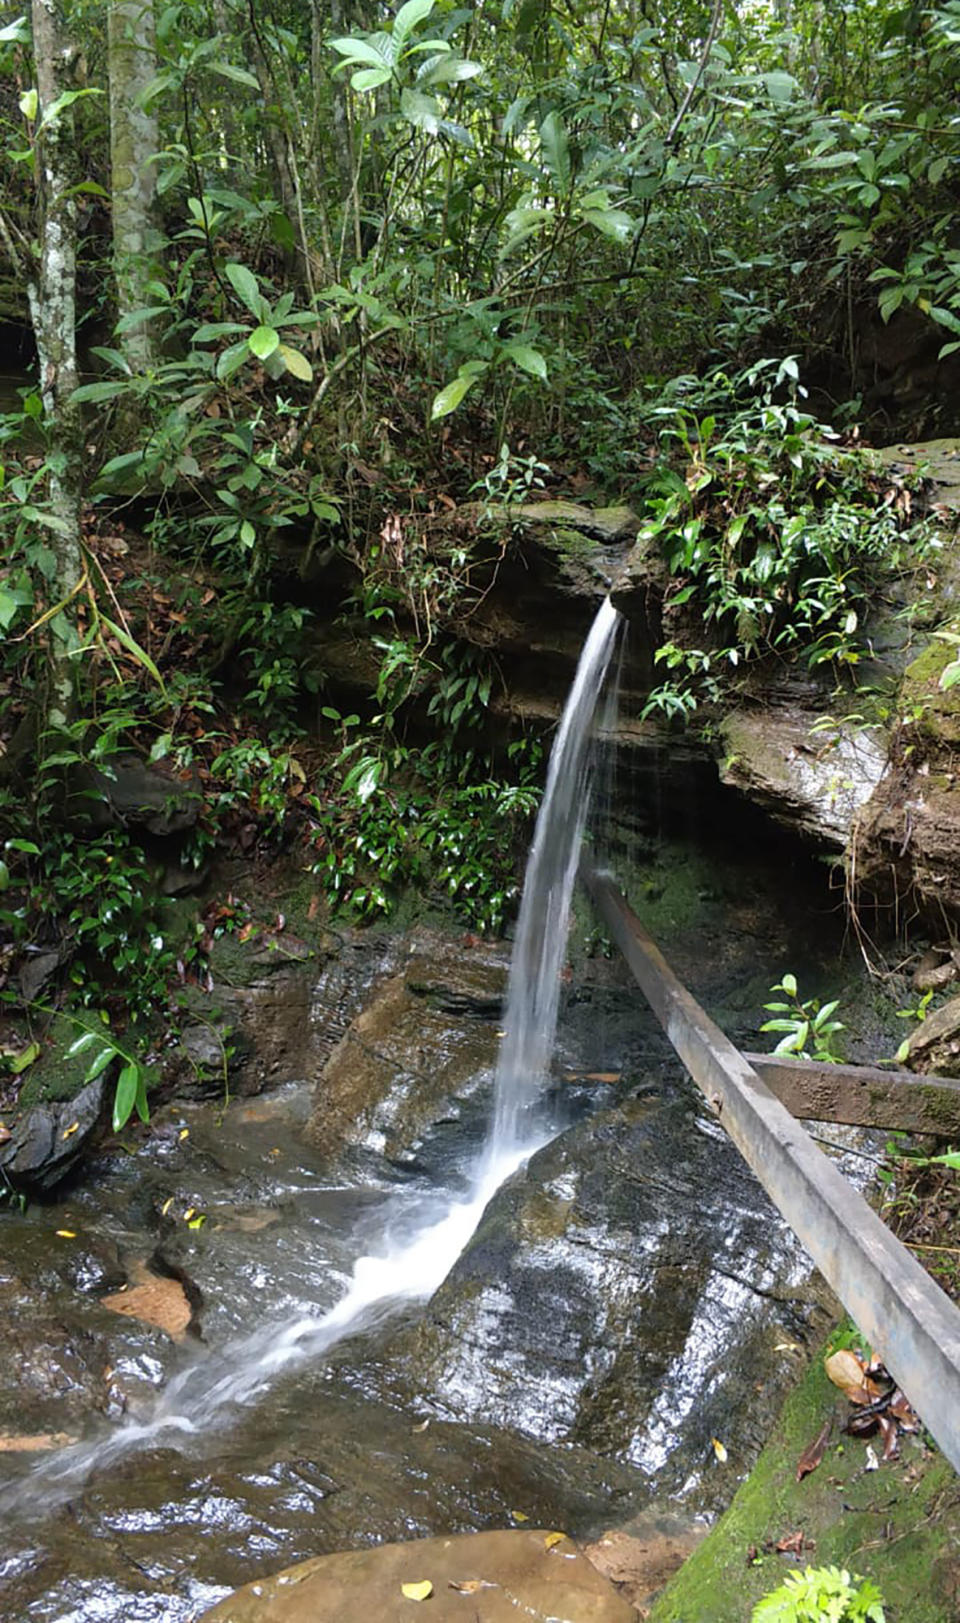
[[32, 1444], [890, 1433], [5, 1133], [161, 1302], [418, 1591], [520, 1515], [904, 1412], [422, 1426], [791, 1543], [66, 1234], [719, 1450], [813, 1453], [552, 1539], [74, 1127], [469, 1586], [848, 1371], [873, 1464]]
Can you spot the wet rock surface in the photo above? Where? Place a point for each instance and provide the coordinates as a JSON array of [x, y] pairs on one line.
[[50, 1139], [426, 1038], [538, 1574], [627, 1292]]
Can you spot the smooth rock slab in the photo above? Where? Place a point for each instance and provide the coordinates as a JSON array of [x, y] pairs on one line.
[[503, 1576]]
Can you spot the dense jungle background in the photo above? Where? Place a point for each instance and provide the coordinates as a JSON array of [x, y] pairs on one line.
[[309, 313]]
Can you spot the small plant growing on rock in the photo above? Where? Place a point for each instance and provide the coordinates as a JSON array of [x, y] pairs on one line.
[[821, 1595], [807, 1025]]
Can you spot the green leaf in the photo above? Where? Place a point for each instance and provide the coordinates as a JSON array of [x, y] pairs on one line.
[[263, 341], [789, 984], [408, 16], [615, 223], [231, 360], [781, 87], [450, 397], [556, 151], [133, 647], [26, 846], [26, 1057], [248, 534], [371, 78], [359, 50], [240, 76], [246, 287], [217, 329], [98, 392], [448, 70], [82, 1042], [423, 112], [125, 1097], [100, 1063], [28, 104], [951, 1159], [4, 876], [529, 360], [296, 364]]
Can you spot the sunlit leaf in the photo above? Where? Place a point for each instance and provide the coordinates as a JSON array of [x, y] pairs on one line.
[[556, 151], [529, 360], [296, 363], [26, 1057], [417, 1591], [125, 1096], [719, 1450], [66, 1234], [450, 397], [411, 13], [553, 1539], [848, 1371], [246, 287], [28, 104]]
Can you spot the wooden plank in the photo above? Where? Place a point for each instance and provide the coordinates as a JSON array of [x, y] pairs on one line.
[[862, 1095], [908, 1320]]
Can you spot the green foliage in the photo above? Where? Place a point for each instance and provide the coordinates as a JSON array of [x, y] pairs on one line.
[[807, 1024], [821, 1595], [130, 1092], [775, 536]]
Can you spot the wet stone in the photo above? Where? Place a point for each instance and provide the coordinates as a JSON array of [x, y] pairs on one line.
[[50, 1139], [486, 1577]]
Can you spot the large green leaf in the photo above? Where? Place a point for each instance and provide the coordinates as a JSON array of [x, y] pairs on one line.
[[556, 151], [408, 16], [371, 78], [125, 1097], [263, 341], [448, 70], [529, 360], [421, 111], [359, 50], [296, 364], [246, 287], [451, 395], [240, 76]]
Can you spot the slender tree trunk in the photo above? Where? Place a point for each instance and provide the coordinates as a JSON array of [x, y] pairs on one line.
[[52, 295], [133, 184]]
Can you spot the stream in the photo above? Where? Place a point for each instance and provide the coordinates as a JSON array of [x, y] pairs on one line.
[[548, 1318]]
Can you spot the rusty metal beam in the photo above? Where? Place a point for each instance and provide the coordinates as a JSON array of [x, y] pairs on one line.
[[862, 1095], [906, 1317]]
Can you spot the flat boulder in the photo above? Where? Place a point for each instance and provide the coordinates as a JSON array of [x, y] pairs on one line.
[[472, 1578]]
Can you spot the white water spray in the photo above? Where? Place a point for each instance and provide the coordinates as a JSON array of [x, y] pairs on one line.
[[409, 1266], [533, 993]]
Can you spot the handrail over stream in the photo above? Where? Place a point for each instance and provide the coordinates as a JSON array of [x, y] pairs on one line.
[[906, 1318]]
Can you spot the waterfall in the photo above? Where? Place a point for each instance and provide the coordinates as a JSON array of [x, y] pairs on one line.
[[418, 1249], [533, 991]]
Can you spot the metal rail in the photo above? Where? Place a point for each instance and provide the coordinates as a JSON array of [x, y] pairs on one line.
[[906, 1317]]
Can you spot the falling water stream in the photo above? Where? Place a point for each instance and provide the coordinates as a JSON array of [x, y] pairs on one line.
[[408, 1265]]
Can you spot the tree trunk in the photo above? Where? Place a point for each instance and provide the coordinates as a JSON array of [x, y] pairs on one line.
[[133, 143], [52, 295]]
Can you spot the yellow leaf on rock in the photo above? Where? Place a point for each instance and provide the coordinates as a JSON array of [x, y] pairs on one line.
[[419, 1591], [166, 1206], [554, 1538], [69, 1131], [184, 1133], [66, 1234], [719, 1450], [519, 1516]]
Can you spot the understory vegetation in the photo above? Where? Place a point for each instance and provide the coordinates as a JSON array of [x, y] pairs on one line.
[[301, 336]]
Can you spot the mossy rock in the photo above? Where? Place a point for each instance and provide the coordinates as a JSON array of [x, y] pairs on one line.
[[897, 1525], [937, 709]]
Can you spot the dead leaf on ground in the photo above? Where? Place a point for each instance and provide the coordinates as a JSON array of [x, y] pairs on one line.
[[813, 1453], [35, 1442], [553, 1539], [904, 1412], [417, 1591], [791, 1543], [469, 1586], [161, 1302], [848, 1371], [890, 1433]]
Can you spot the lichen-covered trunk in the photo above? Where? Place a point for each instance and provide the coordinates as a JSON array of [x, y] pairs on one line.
[[134, 139], [52, 296]]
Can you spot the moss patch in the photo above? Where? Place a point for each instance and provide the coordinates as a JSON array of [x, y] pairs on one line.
[[938, 712], [898, 1525]]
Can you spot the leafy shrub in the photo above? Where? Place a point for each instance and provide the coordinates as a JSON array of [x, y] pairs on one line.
[[821, 1595]]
